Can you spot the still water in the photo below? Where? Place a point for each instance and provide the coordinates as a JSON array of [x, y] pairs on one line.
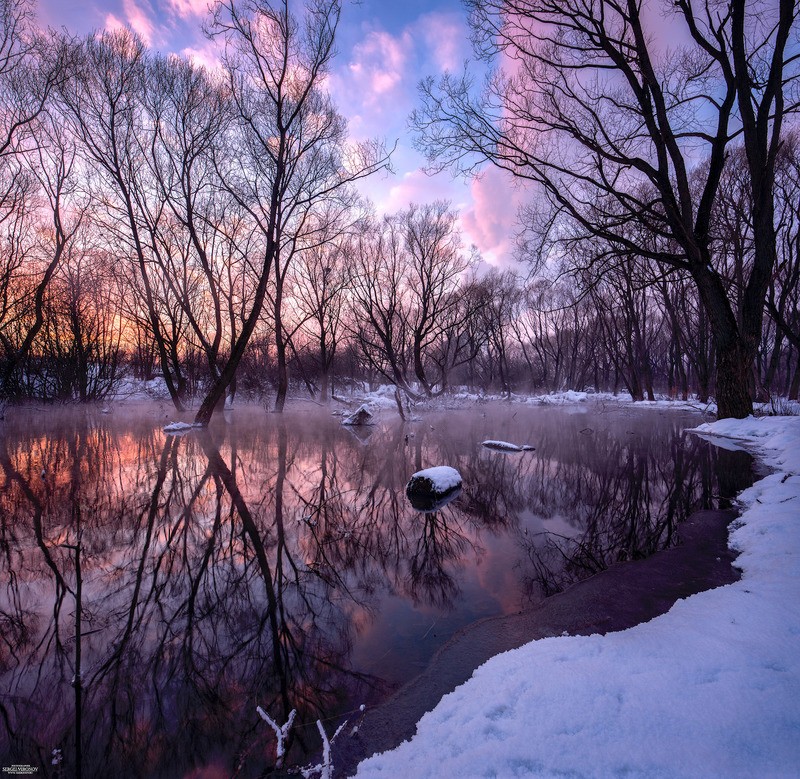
[[155, 589]]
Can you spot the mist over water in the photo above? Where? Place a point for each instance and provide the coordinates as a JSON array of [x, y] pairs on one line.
[[275, 560]]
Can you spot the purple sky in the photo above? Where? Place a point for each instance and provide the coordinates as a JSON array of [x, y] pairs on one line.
[[385, 47]]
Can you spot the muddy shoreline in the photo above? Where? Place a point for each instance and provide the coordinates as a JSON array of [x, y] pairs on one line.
[[620, 597]]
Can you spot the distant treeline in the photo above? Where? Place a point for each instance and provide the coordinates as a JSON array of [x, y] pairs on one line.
[[159, 220]]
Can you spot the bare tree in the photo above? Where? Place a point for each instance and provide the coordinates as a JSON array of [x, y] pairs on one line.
[[625, 312], [33, 157], [783, 298], [409, 314], [81, 345], [190, 115], [499, 299], [379, 323], [102, 101], [435, 264], [291, 151], [322, 279], [594, 114]]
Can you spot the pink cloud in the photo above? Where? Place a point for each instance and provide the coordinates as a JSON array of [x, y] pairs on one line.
[[446, 39], [137, 18], [379, 63], [114, 23], [417, 187], [205, 55], [188, 9], [491, 220], [488, 206]]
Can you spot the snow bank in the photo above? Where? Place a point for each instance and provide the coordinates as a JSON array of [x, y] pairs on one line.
[[129, 388], [381, 398], [775, 440], [709, 689]]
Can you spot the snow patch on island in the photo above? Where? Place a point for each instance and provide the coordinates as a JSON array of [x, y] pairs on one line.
[[361, 416], [180, 427]]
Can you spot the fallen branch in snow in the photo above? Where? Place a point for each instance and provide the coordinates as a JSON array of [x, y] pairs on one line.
[[180, 427], [281, 732], [325, 768]]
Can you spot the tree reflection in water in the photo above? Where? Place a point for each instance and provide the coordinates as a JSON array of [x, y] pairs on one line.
[[155, 589]]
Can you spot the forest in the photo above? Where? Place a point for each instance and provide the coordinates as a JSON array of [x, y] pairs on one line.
[[159, 220]]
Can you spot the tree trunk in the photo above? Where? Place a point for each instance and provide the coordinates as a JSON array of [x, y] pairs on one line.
[[324, 362], [227, 374], [419, 368], [734, 358], [734, 370], [283, 375], [794, 389], [17, 358]]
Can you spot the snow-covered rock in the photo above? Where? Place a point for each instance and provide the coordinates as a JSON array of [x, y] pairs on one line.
[[433, 488], [434, 481]]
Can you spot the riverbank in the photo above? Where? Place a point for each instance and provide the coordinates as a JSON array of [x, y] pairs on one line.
[[709, 688], [620, 597]]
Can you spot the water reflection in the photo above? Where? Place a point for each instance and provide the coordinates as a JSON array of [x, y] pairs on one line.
[[157, 588]]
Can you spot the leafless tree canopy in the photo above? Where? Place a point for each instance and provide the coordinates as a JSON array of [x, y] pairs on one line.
[[626, 140], [167, 224]]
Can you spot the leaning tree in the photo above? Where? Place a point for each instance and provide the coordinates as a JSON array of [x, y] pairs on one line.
[[291, 156]]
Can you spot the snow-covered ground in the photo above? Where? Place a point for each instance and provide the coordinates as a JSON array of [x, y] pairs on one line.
[[383, 398], [710, 689]]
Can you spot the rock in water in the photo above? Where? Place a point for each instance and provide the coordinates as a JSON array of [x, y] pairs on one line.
[[505, 446], [434, 482], [362, 416], [432, 502]]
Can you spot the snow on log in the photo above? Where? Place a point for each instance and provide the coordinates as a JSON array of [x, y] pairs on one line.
[[362, 416], [505, 446], [434, 482]]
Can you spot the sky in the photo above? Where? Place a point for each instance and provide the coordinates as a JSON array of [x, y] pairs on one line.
[[384, 48]]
